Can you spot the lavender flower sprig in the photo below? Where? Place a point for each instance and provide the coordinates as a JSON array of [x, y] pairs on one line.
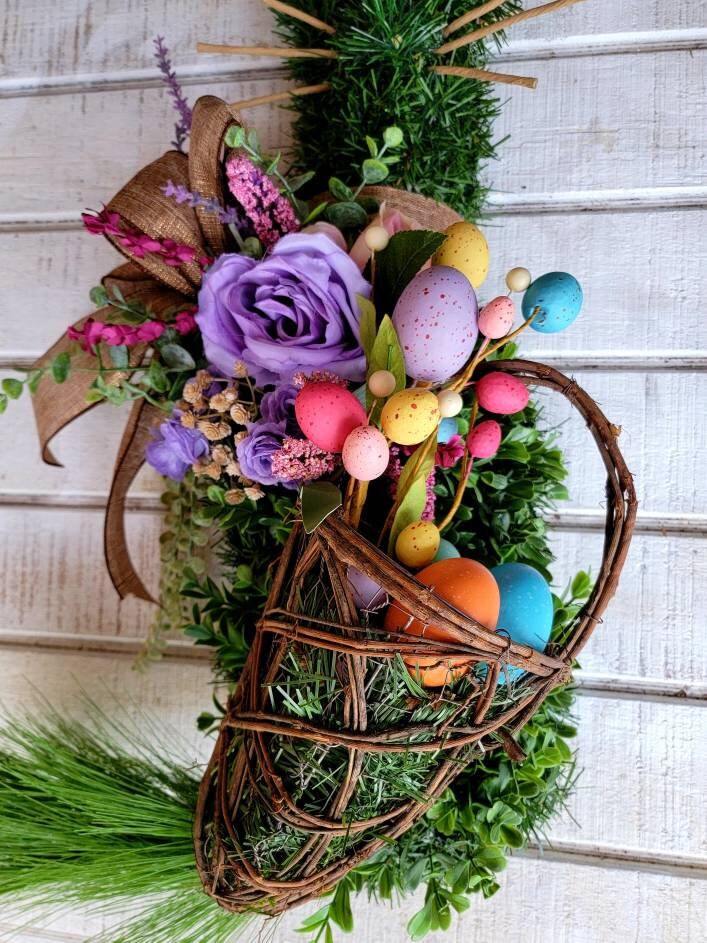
[[183, 126], [226, 214]]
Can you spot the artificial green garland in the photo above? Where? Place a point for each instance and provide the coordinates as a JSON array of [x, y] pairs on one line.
[[382, 77]]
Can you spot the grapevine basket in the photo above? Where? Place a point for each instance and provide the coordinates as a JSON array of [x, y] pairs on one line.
[[244, 761]]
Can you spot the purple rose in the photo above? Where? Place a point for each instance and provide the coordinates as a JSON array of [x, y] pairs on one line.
[[175, 448], [255, 451], [279, 405], [294, 310]]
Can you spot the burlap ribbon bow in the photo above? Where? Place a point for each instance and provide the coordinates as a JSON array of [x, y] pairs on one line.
[[142, 204]]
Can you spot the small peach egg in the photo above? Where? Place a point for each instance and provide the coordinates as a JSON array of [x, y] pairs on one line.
[[365, 453], [518, 279], [496, 318], [381, 384], [450, 404]]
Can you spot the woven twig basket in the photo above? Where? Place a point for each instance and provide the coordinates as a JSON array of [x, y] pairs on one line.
[[243, 758]]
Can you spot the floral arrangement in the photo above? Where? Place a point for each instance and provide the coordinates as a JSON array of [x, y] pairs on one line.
[[315, 357]]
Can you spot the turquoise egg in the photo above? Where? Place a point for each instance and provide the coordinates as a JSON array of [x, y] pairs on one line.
[[360, 394], [559, 297], [446, 551], [446, 429], [526, 612]]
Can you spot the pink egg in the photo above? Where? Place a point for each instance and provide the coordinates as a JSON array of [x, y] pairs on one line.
[[502, 394], [327, 413], [484, 439], [365, 454], [496, 318], [435, 319]]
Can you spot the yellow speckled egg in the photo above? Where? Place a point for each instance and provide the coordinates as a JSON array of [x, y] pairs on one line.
[[410, 416], [466, 250], [417, 544]]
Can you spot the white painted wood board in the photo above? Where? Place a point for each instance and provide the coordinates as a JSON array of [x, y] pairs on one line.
[[616, 126]]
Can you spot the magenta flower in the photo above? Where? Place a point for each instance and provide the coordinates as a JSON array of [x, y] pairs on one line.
[[185, 322], [448, 453], [300, 460], [270, 213]]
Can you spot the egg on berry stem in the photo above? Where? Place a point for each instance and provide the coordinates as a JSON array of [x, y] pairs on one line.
[[381, 384], [518, 279], [376, 238]]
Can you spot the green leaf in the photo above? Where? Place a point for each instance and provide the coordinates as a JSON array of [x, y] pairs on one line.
[[319, 499], [367, 325], [372, 146], [340, 191], [34, 378], [98, 296], [3, 403], [156, 377], [12, 387], [374, 171], [581, 585], [296, 183], [413, 486], [346, 215], [235, 136], [393, 136], [60, 367], [119, 356], [176, 357], [400, 261], [386, 354], [420, 924], [315, 213]]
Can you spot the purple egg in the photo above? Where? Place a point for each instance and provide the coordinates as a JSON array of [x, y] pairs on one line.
[[367, 594], [436, 321]]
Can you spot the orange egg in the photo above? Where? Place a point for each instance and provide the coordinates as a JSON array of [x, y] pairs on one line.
[[468, 586], [435, 672]]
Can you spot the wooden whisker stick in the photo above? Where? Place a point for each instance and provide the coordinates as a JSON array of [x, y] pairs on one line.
[[482, 75], [503, 24], [300, 15], [281, 96], [472, 15], [286, 52]]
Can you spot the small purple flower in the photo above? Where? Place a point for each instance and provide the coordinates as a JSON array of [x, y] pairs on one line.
[[255, 451], [279, 405], [181, 105], [294, 310], [175, 448]]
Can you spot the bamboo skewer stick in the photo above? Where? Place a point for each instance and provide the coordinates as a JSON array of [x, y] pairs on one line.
[[472, 15], [503, 24], [281, 96], [300, 15], [286, 52], [482, 75]]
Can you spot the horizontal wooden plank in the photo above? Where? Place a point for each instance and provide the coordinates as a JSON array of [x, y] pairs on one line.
[[55, 582], [609, 142], [552, 899], [92, 37], [662, 453], [51, 274]]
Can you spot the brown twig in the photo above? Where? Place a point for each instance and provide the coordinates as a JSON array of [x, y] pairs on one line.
[[472, 15], [484, 31], [483, 75], [285, 52], [299, 15], [484, 352], [281, 96]]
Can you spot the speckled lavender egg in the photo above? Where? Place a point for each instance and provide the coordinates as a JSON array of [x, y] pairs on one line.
[[502, 394], [326, 412], [436, 322]]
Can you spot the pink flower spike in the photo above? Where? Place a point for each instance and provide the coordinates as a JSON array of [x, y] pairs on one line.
[[113, 335], [149, 331], [185, 322]]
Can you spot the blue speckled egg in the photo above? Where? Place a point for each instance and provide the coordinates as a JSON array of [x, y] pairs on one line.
[[446, 551], [446, 429], [559, 297], [526, 608], [436, 322]]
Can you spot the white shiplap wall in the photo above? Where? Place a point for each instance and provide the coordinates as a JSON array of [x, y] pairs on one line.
[[603, 176]]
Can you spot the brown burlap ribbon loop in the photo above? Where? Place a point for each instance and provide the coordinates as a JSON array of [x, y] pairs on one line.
[[143, 206], [210, 121]]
